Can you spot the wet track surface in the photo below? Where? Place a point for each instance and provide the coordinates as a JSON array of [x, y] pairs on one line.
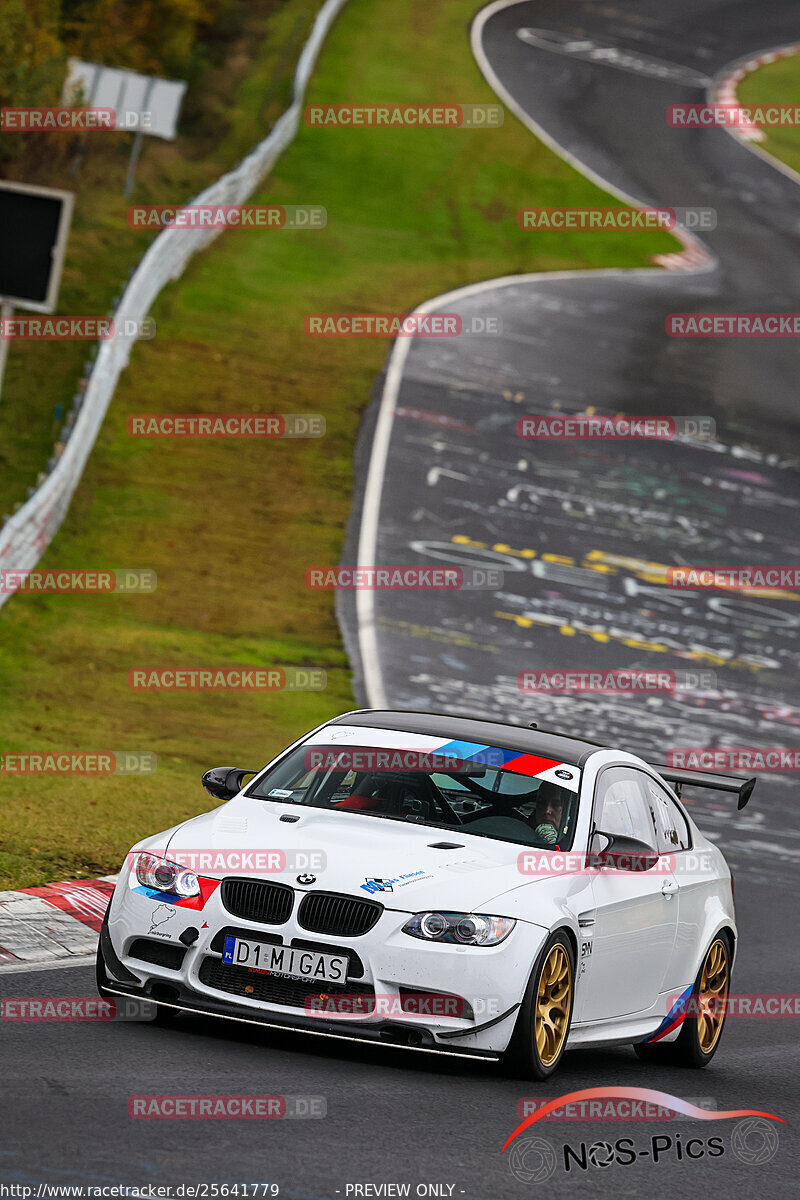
[[456, 469], [583, 530], [392, 1116]]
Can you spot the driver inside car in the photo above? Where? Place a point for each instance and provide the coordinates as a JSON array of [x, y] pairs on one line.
[[547, 819]]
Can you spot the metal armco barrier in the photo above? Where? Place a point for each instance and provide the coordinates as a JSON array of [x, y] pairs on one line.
[[27, 534]]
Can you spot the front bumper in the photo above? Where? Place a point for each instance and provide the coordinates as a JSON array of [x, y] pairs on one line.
[[385, 964]]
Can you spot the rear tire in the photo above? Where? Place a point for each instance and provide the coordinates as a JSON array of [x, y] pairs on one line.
[[540, 1034], [701, 1031]]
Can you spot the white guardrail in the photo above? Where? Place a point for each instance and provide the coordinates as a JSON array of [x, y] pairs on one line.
[[27, 534]]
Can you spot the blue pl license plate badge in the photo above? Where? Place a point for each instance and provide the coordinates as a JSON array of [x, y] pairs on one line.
[[227, 953]]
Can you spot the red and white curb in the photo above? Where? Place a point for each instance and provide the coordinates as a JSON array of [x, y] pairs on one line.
[[724, 91], [58, 921], [693, 257]]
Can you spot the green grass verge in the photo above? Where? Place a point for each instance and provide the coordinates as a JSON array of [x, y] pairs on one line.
[[776, 83], [231, 527], [233, 108]]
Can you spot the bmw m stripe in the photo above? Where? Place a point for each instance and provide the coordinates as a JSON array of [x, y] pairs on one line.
[[493, 756], [674, 1017]]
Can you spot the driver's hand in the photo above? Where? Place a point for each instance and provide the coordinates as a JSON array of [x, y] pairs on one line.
[[547, 834]]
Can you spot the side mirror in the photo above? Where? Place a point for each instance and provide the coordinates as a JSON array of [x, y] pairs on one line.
[[622, 853], [223, 783]]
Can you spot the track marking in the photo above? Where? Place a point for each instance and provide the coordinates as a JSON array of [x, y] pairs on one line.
[[608, 54], [367, 634], [694, 259]]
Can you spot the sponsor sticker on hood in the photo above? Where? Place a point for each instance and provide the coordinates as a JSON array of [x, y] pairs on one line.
[[376, 883]]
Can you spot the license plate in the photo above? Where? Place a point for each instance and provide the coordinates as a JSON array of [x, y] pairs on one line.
[[290, 961]]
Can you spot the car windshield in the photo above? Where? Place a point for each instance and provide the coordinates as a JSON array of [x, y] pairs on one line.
[[489, 791]]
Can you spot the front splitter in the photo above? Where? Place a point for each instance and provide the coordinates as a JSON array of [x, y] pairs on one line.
[[392, 1034]]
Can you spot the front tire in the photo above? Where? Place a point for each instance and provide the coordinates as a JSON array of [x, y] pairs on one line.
[[540, 1034], [701, 1031]]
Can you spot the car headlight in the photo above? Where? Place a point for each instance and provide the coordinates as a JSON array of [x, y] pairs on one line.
[[165, 876], [464, 929]]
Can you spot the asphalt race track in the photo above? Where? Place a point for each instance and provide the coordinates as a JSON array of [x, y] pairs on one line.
[[454, 484], [455, 468], [392, 1116]]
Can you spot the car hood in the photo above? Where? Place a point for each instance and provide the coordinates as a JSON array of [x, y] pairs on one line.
[[405, 866]]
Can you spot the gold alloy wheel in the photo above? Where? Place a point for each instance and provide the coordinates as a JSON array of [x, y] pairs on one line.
[[712, 994], [553, 1000]]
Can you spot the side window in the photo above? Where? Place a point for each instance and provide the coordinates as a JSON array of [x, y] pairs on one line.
[[681, 825], [623, 806], [675, 831]]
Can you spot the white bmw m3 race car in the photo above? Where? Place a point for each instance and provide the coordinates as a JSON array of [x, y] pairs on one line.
[[439, 882]]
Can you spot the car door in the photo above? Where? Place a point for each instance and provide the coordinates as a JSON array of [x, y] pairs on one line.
[[697, 880], [633, 923]]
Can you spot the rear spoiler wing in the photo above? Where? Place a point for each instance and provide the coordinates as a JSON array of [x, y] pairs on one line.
[[707, 779]]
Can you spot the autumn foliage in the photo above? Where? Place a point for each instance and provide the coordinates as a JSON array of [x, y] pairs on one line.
[[173, 38]]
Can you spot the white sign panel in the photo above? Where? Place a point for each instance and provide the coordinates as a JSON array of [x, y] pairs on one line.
[[141, 102]]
